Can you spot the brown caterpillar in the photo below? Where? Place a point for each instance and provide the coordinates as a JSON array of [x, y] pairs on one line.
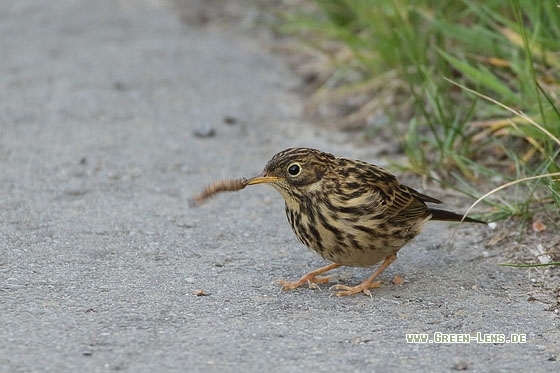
[[231, 185]]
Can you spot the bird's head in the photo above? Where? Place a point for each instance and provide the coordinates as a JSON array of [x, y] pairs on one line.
[[295, 171]]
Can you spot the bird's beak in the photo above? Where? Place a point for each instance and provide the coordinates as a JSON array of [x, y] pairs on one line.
[[263, 179]]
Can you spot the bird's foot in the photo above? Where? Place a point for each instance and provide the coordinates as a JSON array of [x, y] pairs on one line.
[[349, 290], [367, 283], [310, 278], [311, 281]]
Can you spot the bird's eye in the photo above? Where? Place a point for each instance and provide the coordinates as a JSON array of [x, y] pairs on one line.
[[294, 169]]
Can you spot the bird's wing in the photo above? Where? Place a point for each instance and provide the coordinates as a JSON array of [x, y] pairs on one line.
[[398, 202], [402, 205]]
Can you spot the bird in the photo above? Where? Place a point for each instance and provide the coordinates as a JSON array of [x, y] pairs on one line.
[[352, 213]]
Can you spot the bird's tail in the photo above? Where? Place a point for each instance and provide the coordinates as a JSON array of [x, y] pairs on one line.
[[445, 215]]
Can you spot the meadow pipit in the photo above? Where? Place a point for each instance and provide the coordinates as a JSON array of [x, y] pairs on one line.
[[350, 212]]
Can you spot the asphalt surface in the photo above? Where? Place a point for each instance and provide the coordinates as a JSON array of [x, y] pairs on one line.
[[112, 115]]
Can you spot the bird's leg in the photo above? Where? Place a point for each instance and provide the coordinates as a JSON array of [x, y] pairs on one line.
[[309, 278], [367, 283]]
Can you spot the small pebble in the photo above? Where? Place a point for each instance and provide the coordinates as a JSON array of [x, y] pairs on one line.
[[119, 86], [460, 364], [230, 120], [203, 130]]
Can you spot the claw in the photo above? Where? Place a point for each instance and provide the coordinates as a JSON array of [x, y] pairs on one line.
[[349, 290], [311, 283], [367, 283], [309, 278]]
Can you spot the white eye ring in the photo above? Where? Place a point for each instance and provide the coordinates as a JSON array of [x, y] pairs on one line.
[[294, 169]]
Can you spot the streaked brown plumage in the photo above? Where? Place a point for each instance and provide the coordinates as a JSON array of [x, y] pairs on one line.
[[350, 212]]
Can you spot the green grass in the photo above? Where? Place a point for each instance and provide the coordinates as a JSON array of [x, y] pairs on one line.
[[530, 265], [423, 54]]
